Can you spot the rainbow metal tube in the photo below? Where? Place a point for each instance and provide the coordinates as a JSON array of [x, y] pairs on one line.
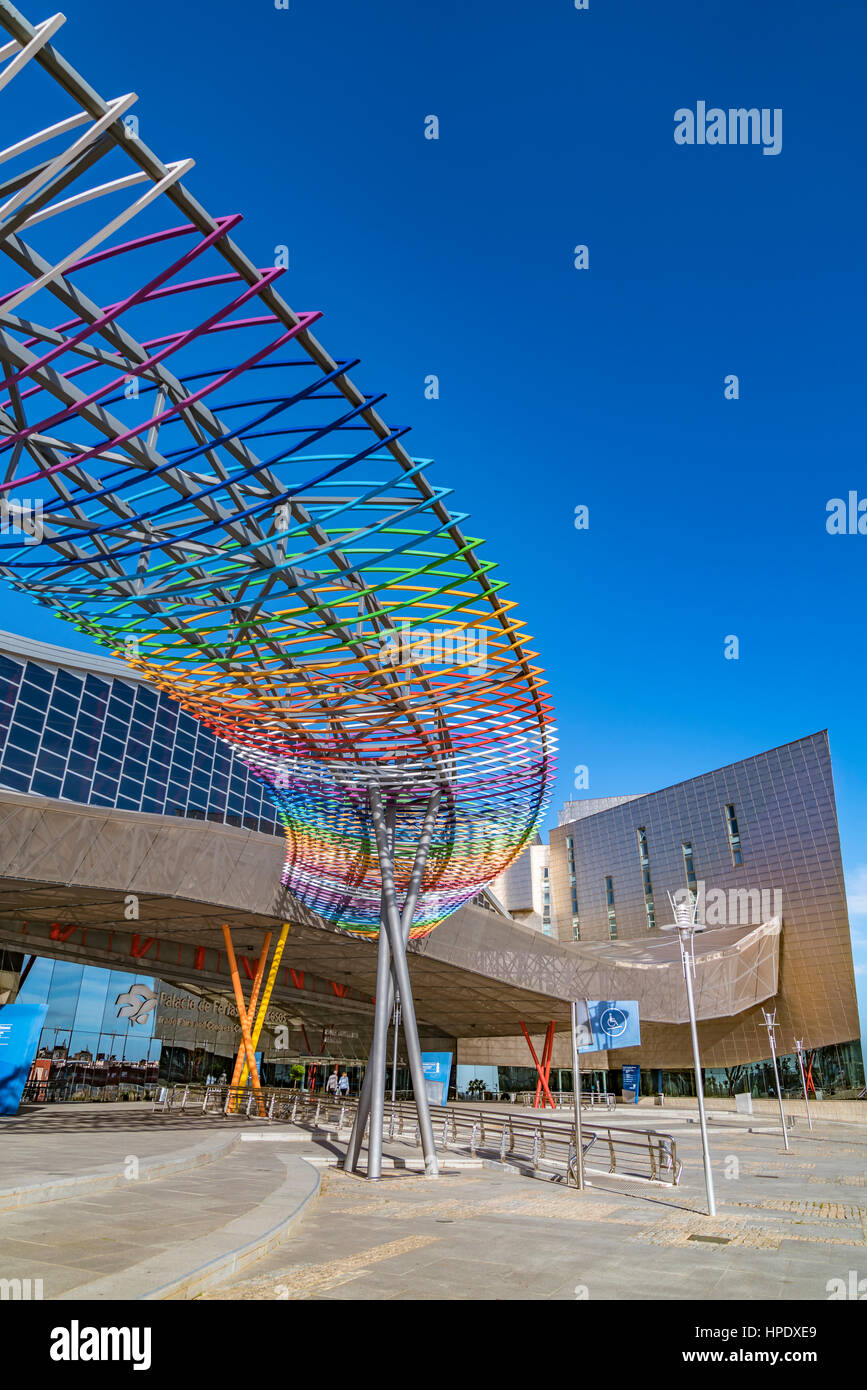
[[191, 479]]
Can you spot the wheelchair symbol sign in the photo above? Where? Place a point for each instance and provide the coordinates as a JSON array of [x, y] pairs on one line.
[[614, 1022]]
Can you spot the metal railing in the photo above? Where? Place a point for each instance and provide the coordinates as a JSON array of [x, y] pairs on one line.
[[535, 1141], [590, 1100]]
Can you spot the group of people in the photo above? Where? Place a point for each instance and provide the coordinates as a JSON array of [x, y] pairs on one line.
[[337, 1083]]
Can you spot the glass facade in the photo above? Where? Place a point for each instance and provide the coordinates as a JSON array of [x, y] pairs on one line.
[[109, 741], [759, 837], [88, 1051], [106, 739], [834, 1072], [85, 1049]]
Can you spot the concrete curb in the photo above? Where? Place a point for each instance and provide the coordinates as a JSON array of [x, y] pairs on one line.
[[216, 1256], [412, 1165], [12, 1198]]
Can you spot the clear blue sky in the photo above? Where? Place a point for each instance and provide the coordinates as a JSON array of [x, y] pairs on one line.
[[558, 386]]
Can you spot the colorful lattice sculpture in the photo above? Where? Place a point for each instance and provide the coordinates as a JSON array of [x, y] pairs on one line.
[[187, 476]]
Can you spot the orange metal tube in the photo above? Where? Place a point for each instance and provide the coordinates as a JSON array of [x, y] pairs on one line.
[[266, 996], [242, 1016], [536, 1060], [251, 1008], [547, 1052]]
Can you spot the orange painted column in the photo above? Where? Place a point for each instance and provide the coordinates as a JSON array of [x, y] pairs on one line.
[[546, 1063], [536, 1060], [266, 996], [242, 1016], [251, 1009]]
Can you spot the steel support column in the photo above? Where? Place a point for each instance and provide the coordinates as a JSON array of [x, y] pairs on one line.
[[376, 1065], [394, 926], [363, 1109]]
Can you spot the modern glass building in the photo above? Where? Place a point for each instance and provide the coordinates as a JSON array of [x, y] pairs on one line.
[[88, 1049], [759, 837], [89, 730], [95, 733], [753, 840]]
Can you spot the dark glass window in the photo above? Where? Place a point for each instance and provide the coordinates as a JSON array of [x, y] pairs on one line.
[[20, 737], [122, 694], [38, 676], [29, 718], [96, 689], [112, 748], [10, 670], [734, 835], [60, 723], [18, 760], [13, 781], [43, 785], [146, 701], [68, 683], [76, 788], [86, 744], [104, 783], [49, 762], [116, 728], [689, 866], [66, 704], [81, 764]]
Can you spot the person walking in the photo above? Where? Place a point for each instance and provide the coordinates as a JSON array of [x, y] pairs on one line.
[[332, 1083], [343, 1085]]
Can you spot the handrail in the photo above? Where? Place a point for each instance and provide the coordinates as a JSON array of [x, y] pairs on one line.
[[539, 1137], [564, 1099]]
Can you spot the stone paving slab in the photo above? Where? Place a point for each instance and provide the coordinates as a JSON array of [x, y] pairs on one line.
[[482, 1235], [786, 1224], [154, 1238]]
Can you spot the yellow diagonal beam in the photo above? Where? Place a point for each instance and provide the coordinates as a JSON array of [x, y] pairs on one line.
[[266, 994], [254, 995]]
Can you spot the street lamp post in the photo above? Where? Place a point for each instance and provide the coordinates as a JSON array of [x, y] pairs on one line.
[[576, 1096], [799, 1048], [686, 925], [771, 1024], [396, 1022]]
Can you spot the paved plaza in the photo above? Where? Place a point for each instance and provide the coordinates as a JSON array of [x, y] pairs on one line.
[[101, 1202]]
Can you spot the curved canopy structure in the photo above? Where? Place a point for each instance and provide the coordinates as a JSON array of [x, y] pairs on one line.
[[190, 478]]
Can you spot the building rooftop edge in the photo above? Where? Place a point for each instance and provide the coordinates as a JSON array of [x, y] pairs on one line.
[[14, 645], [736, 762]]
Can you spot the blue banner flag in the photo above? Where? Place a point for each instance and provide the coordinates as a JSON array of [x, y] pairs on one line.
[[632, 1079], [20, 1026], [611, 1023], [437, 1070]]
